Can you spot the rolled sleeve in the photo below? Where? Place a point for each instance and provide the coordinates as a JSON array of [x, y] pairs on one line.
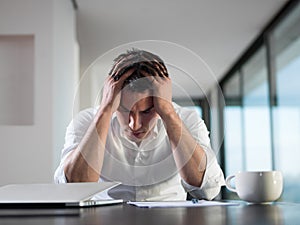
[[59, 175], [213, 177], [212, 181], [74, 134]]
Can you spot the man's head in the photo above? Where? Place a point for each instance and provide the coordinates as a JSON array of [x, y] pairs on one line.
[[142, 62], [136, 112]]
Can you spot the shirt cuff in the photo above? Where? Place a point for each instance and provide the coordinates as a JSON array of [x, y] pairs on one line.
[[59, 175], [212, 181]]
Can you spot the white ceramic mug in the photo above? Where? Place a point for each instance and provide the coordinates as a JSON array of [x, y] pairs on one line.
[[257, 186]]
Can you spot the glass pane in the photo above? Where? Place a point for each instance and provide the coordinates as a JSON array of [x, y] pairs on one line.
[[256, 113], [233, 132], [233, 140], [286, 111], [232, 90]]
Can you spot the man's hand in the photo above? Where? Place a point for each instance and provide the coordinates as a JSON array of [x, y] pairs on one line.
[[162, 90], [111, 94], [162, 95]]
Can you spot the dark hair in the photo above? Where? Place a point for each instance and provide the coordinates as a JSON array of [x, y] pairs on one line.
[[141, 61]]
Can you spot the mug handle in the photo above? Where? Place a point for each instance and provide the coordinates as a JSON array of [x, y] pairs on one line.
[[228, 185]]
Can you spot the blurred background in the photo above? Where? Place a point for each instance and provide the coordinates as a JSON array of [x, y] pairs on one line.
[[237, 62]]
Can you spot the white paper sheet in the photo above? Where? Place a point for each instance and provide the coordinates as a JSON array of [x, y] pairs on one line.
[[172, 204]]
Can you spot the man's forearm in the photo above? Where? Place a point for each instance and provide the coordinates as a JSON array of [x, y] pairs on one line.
[[85, 162], [189, 156]]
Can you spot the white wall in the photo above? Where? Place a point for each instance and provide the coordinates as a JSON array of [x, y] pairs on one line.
[[66, 72], [29, 153]]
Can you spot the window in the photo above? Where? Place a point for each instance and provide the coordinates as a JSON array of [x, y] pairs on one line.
[[247, 117], [262, 112], [256, 113], [286, 108], [233, 132]]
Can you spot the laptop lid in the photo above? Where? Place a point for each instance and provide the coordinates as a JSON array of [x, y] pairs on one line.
[[68, 194]]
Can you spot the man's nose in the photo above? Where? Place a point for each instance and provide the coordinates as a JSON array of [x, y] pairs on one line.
[[135, 122]]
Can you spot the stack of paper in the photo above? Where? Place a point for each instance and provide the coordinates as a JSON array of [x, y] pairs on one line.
[[199, 203]]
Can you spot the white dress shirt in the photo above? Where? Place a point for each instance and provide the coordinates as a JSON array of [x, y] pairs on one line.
[[147, 171]]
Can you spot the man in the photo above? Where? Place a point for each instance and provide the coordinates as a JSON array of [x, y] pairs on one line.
[[157, 149]]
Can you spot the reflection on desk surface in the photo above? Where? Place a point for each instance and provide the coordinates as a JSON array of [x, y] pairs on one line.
[[244, 213], [249, 214], [14, 212]]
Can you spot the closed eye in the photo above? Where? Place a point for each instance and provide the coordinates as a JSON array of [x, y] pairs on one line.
[[148, 110]]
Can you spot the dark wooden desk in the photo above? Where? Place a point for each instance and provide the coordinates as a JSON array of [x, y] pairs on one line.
[[275, 214]]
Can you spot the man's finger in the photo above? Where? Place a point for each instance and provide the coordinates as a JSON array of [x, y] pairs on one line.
[[150, 77], [118, 66], [125, 75], [158, 64], [147, 67], [162, 70]]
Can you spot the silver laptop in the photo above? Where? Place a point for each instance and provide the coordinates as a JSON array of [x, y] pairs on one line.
[[55, 195]]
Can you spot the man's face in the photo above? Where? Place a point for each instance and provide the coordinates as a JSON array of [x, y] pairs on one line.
[[136, 114]]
